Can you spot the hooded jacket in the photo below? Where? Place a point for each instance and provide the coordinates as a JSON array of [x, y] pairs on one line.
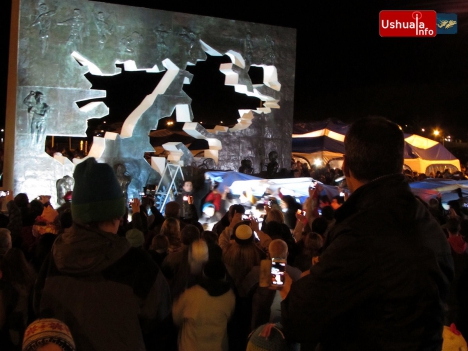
[[103, 289], [202, 313], [382, 279]]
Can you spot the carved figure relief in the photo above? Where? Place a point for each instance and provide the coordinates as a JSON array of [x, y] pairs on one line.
[[43, 21], [270, 50], [249, 48], [189, 38], [178, 44], [161, 47], [131, 43], [104, 27], [78, 30], [123, 177], [38, 112]]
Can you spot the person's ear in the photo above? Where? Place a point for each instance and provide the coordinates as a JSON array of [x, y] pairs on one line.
[[345, 167]]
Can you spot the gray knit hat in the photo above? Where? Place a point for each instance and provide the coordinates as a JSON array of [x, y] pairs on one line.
[[97, 195], [135, 237]]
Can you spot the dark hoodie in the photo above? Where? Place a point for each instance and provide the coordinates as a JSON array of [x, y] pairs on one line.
[[214, 287], [102, 289]]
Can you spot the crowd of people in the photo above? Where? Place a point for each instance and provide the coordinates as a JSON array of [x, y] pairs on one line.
[[380, 271]]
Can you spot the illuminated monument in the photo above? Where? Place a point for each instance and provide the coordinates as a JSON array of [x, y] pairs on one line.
[[59, 45]]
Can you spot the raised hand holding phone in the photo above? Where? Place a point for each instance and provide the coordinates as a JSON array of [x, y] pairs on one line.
[[235, 219], [301, 216], [254, 224], [312, 189], [135, 205], [284, 291]]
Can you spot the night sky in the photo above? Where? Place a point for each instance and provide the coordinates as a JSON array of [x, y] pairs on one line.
[[345, 70]]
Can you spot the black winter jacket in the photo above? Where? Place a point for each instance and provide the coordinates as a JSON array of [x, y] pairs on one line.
[[382, 279], [107, 292]]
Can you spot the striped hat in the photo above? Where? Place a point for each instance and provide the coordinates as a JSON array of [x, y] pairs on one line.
[[46, 331], [275, 341]]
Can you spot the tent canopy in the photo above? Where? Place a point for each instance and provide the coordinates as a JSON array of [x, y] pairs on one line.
[[325, 141], [319, 136]]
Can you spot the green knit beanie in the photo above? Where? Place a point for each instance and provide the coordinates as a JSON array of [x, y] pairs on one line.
[[97, 195]]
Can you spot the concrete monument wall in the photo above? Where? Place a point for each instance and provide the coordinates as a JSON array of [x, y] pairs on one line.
[[58, 42]]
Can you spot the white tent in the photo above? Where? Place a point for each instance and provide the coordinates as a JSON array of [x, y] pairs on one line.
[[324, 140], [425, 155]]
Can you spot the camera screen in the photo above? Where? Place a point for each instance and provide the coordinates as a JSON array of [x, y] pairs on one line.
[[277, 271]]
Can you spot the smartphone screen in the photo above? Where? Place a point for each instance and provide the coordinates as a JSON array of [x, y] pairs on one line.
[[278, 267]]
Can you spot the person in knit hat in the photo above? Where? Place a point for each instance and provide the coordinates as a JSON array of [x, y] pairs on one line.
[[97, 196], [267, 337], [242, 254], [135, 237], [228, 236], [104, 289], [48, 334], [243, 233]]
